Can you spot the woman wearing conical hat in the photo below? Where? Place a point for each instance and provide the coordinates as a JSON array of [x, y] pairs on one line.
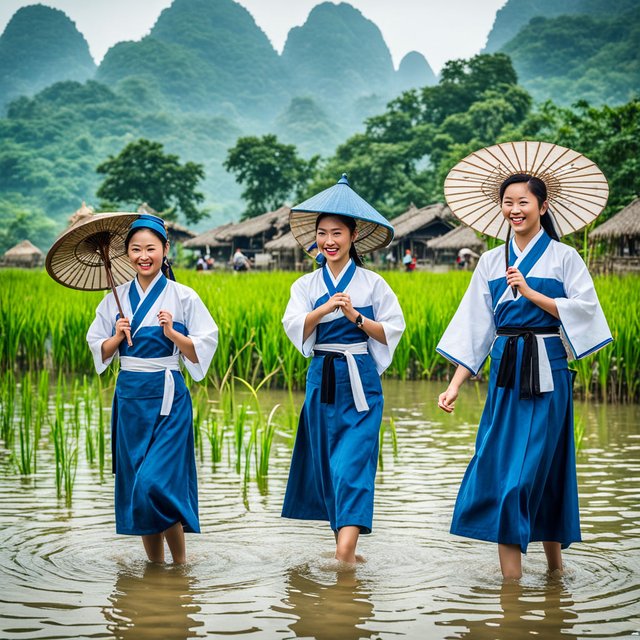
[[348, 320], [525, 302]]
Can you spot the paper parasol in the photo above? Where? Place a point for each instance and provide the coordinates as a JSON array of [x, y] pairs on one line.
[[577, 190], [91, 254]]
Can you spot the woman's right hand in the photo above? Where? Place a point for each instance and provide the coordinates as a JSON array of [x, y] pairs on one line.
[[122, 327], [335, 302], [447, 399]]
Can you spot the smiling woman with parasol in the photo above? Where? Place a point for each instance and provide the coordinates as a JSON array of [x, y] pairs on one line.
[[521, 485], [152, 324]]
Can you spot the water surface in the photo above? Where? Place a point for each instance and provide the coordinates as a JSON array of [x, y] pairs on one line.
[[251, 574]]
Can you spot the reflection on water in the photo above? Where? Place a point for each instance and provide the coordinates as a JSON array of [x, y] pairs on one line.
[[251, 574], [519, 612], [156, 598], [337, 609]]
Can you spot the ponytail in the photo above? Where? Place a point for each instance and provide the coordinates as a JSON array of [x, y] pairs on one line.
[[167, 270], [547, 224], [353, 254]]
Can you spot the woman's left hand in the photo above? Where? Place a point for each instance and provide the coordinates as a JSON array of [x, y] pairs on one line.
[[347, 308], [516, 279], [166, 322]]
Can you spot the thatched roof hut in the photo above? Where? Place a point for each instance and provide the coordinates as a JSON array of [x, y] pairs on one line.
[[251, 235], [416, 226], [462, 242], [621, 233], [285, 242], [24, 254], [288, 253], [456, 239]]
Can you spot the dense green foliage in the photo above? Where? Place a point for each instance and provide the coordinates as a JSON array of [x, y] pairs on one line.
[[610, 136], [50, 325], [203, 56], [515, 14], [39, 46], [404, 152], [142, 172], [579, 57], [206, 75], [52, 144], [271, 172], [20, 221], [328, 59]]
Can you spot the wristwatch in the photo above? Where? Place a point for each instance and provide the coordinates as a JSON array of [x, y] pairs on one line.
[[359, 321]]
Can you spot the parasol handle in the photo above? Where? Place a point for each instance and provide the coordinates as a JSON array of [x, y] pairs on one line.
[[112, 285], [514, 290]]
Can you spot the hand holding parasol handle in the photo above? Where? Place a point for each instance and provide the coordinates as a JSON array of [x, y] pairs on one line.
[[107, 265], [514, 290]]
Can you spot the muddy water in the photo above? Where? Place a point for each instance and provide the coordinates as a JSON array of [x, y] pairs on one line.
[[65, 574]]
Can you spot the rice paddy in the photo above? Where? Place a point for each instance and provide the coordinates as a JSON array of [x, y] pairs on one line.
[[53, 404], [44, 327]]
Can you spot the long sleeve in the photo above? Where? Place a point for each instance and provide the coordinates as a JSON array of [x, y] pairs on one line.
[[583, 320], [298, 307], [203, 331], [101, 329], [386, 311], [468, 338]]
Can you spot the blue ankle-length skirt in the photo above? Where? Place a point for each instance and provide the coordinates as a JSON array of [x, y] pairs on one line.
[[153, 455], [335, 456], [520, 485]]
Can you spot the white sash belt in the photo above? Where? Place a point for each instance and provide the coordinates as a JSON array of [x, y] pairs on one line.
[[168, 364], [349, 350], [544, 366]]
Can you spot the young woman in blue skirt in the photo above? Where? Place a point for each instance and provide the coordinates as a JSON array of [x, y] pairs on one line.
[[156, 493], [349, 321], [521, 484]]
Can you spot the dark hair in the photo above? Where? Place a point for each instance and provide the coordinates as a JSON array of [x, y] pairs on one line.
[[350, 223], [539, 189], [166, 266]]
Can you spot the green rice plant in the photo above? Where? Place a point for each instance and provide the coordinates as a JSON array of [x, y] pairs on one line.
[[239, 421], [389, 426], [28, 443], [65, 443], [264, 442], [215, 431], [42, 413], [101, 428], [578, 432], [246, 478], [8, 407], [90, 443], [200, 415], [49, 326]]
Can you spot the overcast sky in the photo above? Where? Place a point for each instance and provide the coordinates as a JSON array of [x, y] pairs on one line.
[[439, 29]]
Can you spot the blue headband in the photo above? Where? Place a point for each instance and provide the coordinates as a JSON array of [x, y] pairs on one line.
[[147, 221]]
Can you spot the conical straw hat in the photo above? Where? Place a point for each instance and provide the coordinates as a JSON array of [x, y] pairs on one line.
[[577, 190], [374, 230], [76, 257]]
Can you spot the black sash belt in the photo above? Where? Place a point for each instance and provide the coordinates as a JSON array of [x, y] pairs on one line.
[[328, 388], [530, 368]]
